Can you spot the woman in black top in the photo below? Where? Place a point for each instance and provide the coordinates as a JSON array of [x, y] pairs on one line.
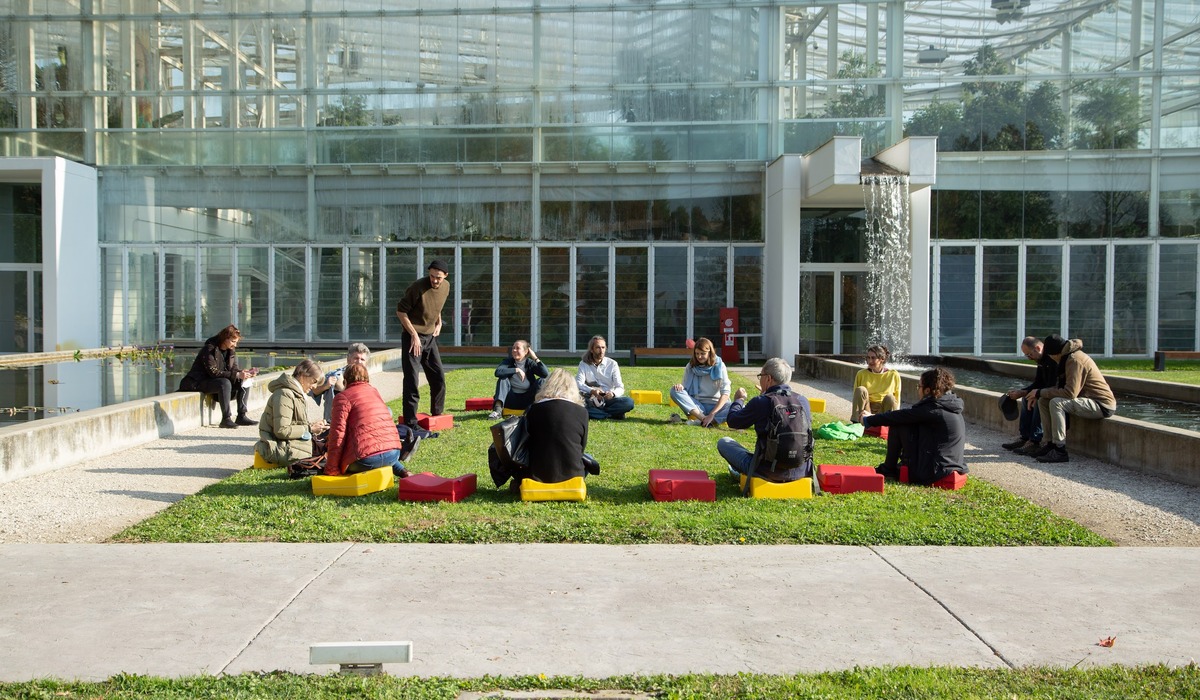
[[557, 428], [216, 371]]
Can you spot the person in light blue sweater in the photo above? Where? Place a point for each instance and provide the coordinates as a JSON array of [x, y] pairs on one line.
[[704, 392]]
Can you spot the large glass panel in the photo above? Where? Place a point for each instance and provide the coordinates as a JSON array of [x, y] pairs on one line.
[[475, 314], [290, 303], [15, 323], [591, 295], [816, 312], [555, 302], [179, 294], [142, 303], [1177, 297], [114, 295], [747, 293], [670, 296], [856, 333], [632, 311], [709, 293], [746, 217], [956, 299], [326, 280], [216, 289], [956, 214], [1129, 299], [1000, 333], [1043, 290], [1085, 301], [1179, 213], [20, 223], [363, 294], [516, 282], [833, 236], [1110, 214], [254, 281], [401, 265]]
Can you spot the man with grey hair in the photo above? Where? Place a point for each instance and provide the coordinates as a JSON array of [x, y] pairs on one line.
[[773, 381], [333, 383], [1029, 423]]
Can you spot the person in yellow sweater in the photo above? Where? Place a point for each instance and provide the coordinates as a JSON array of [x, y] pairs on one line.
[[876, 386]]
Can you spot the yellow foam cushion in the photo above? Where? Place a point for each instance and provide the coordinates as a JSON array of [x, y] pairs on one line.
[[513, 412], [646, 396], [569, 490], [816, 405], [760, 488], [358, 484], [260, 463]]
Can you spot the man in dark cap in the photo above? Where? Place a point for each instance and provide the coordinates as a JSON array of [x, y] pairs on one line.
[[1030, 421], [420, 314], [1080, 391]]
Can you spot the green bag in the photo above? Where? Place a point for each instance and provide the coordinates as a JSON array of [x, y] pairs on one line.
[[838, 430]]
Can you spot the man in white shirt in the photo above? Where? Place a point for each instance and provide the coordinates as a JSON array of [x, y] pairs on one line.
[[599, 380]]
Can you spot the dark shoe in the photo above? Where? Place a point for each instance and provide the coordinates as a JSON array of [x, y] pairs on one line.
[[1042, 452], [245, 420], [408, 447], [1055, 454], [590, 465], [227, 423], [421, 433], [1030, 449], [888, 473], [1014, 445], [399, 471]]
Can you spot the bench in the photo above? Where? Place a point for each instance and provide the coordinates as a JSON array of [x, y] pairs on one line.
[[1161, 356], [674, 353], [360, 658]]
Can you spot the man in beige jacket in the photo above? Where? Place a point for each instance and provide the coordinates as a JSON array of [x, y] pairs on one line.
[[1081, 391]]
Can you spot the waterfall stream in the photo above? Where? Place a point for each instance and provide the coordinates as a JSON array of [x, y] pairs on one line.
[[889, 260]]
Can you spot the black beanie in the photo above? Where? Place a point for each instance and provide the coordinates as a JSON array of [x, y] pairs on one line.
[[1053, 344], [439, 265]]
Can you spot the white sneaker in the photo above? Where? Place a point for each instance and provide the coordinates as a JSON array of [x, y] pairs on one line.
[[495, 415], [675, 418]]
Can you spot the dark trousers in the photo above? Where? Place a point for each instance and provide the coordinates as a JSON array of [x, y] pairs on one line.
[[223, 389], [1030, 423], [430, 360], [901, 449]]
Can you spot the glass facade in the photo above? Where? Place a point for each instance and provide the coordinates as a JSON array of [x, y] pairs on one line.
[[290, 165]]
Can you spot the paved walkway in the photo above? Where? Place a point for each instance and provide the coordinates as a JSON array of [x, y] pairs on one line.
[[90, 611]]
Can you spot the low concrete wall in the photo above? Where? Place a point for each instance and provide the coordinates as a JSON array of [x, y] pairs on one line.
[[1170, 453], [52, 443]]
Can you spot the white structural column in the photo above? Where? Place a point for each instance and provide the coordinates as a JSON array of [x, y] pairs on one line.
[[919, 295], [781, 283]]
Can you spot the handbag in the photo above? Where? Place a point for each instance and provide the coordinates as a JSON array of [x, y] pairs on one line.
[[508, 437], [309, 466]]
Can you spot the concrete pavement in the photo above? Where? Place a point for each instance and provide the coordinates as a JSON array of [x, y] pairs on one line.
[[91, 611]]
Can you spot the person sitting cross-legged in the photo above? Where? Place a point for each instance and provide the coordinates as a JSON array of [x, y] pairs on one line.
[[704, 392], [930, 436], [599, 381], [876, 388], [518, 379], [773, 381]]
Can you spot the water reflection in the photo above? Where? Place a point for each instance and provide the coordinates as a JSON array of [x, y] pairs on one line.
[[33, 392]]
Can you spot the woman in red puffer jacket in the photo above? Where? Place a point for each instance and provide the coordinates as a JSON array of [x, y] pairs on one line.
[[362, 434]]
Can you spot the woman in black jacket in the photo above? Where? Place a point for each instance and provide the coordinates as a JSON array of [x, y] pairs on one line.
[[216, 371], [518, 379], [929, 437], [557, 427]]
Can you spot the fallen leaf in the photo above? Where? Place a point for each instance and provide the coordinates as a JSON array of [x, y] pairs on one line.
[[1107, 641]]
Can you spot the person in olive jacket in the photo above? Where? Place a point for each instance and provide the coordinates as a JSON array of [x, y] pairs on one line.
[[362, 434], [930, 436], [284, 434], [215, 371]]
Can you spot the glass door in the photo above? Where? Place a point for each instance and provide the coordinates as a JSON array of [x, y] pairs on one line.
[[20, 308]]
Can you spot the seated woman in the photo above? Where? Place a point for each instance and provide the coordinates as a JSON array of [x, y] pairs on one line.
[[876, 387], [362, 434], [285, 433], [928, 437], [599, 381], [556, 427], [704, 393], [215, 371], [518, 379]]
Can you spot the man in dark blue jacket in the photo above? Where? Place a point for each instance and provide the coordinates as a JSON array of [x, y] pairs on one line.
[[773, 381]]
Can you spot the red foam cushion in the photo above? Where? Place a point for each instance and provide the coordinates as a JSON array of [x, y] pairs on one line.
[[442, 422], [682, 485], [431, 487], [951, 482], [879, 431], [841, 478], [484, 404]]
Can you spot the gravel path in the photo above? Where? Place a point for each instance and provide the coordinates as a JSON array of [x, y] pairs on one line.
[[93, 500]]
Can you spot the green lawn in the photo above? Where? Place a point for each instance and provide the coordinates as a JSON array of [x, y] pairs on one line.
[[952, 683], [264, 505], [1180, 371]]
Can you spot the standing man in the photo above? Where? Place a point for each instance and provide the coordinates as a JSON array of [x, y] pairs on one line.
[[420, 314], [1030, 421], [1081, 391]]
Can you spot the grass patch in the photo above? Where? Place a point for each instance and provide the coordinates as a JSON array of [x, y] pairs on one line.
[[264, 505], [905, 682], [1179, 371]]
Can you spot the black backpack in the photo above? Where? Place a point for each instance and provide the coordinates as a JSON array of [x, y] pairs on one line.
[[789, 439]]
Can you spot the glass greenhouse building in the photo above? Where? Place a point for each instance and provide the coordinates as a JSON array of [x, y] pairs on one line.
[[291, 165]]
